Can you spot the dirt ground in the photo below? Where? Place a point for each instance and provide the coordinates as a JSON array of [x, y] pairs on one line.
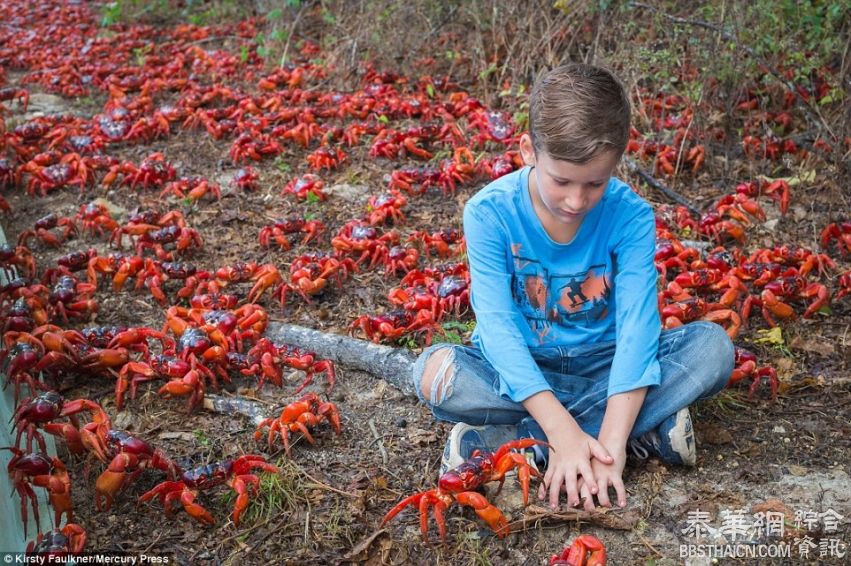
[[789, 456]]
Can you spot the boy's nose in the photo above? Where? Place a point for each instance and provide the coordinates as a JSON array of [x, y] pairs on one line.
[[574, 201]]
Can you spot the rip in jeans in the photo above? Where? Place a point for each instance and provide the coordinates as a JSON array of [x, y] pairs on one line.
[[441, 385]]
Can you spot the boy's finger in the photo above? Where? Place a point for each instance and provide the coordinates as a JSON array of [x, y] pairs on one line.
[[587, 473], [587, 497], [603, 492], [599, 451], [556, 481], [620, 490]]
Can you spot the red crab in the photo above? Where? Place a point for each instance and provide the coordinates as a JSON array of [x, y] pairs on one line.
[[356, 237], [304, 186], [299, 416], [192, 188], [777, 190], [326, 158], [246, 179], [154, 171], [129, 455], [16, 256], [42, 230], [40, 412], [840, 232], [143, 222], [459, 484], [746, 368], [586, 550], [395, 324], [185, 240], [444, 242], [236, 473], [95, 218], [275, 356], [254, 146], [310, 273], [122, 266], [10, 93], [159, 366], [401, 258], [386, 206], [26, 470], [844, 285], [48, 174], [69, 540], [279, 229]]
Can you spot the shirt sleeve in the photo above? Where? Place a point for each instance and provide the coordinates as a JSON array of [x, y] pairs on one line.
[[498, 320], [635, 363]]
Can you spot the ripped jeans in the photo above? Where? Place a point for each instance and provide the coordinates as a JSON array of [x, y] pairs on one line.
[[695, 359]]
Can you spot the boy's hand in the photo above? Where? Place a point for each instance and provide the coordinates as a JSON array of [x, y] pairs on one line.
[[606, 475], [572, 455]]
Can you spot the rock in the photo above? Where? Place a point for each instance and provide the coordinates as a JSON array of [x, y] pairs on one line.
[[349, 193], [114, 210], [42, 104], [124, 420]]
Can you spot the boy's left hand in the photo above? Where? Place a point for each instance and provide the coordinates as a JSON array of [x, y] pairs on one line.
[[606, 475]]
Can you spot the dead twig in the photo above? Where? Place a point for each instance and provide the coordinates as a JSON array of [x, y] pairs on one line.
[[381, 449], [622, 520], [634, 167]]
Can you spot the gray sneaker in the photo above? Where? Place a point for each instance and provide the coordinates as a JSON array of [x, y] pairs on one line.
[[672, 441], [464, 439]]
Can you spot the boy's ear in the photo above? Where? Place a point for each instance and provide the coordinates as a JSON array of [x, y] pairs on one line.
[[527, 150]]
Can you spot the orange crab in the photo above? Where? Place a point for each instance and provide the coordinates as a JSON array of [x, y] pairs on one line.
[[586, 550], [300, 416], [459, 484], [236, 473]]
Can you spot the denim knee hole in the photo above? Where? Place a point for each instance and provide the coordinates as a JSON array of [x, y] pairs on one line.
[[444, 377]]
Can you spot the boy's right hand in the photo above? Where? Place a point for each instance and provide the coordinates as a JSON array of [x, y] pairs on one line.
[[571, 453]]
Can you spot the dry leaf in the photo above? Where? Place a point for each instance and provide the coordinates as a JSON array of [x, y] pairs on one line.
[[422, 437], [717, 435], [821, 347]]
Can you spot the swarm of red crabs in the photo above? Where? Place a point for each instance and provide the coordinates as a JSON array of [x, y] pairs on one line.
[[431, 139]]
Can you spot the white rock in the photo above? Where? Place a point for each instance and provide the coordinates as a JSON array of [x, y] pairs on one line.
[[349, 193]]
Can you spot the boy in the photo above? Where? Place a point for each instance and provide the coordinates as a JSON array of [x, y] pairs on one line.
[[567, 346]]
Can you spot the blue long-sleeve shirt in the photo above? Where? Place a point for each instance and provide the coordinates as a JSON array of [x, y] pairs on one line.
[[529, 291]]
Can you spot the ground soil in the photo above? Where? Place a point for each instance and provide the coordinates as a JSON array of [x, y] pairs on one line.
[[789, 454]]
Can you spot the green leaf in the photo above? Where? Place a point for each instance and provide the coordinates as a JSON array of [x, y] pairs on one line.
[[773, 336], [430, 90], [279, 35], [275, 14], [383, 119], [312, 198]]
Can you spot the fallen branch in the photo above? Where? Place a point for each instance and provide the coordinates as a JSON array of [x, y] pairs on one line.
[[393, 365], [622, 520], [634, 167]]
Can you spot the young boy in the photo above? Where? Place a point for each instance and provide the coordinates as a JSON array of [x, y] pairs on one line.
[[567, 346]]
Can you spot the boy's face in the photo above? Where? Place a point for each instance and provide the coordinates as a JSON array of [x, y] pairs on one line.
[[567, 191]]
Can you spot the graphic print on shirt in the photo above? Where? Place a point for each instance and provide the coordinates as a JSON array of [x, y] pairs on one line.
[[566, 299]]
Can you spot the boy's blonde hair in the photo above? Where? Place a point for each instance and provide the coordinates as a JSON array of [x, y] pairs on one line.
[[578, 111]]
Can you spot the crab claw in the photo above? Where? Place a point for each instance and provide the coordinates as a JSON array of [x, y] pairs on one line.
[[577, 554], [110, 482], [487, 512]]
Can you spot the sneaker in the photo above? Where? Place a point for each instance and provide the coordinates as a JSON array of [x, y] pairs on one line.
[[464, 439], [672, 441]]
